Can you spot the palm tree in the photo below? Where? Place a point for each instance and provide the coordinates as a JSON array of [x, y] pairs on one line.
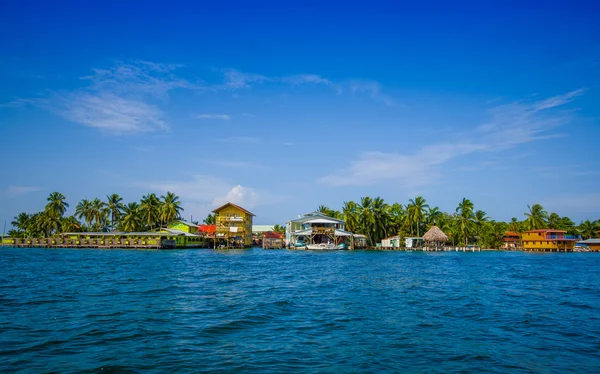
[[131, 220], [210, 219], [465, 219], [396, 219], [350, 216], [114, 204], [554, 221], [587, 229], [22, 222], [536, 218], [434, 216], [170, 208], [70, 224], [514, 225], [366, 218], [381, 214], [99, 213], [479, 219], [57, 204], [416, 212], [149, 208], [84, 211]]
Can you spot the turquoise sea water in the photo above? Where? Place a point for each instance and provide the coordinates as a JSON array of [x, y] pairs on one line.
[[283, 311]]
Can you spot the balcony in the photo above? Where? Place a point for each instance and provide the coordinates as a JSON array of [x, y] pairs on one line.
[[323, 230], [562, 237]]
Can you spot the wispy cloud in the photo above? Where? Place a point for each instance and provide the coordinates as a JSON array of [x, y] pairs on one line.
[[237, 164], [372, 88], [223, 117], [236, 80], [240, 139], [511, 125], [121, 99], [21, 190]]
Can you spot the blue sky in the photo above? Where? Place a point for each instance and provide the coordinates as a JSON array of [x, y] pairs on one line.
[[284, 106]]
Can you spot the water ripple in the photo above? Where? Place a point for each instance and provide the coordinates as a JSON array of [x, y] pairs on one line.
[[102, 311]]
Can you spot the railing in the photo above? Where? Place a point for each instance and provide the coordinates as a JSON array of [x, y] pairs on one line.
[[562, 237], [322, 230]]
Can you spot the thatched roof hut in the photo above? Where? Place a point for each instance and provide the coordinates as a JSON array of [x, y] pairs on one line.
[[435, 235]]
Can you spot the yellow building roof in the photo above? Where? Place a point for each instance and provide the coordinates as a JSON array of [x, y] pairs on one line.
[[235, 206]]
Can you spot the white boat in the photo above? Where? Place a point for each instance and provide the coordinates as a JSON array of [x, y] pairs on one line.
[[321, 247]]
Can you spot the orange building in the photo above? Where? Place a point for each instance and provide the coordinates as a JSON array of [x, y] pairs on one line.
[[548, 240]]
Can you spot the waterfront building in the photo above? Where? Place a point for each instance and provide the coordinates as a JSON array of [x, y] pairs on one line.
[[548, 240], [391, 242], [593, 244], [183, 226], [413, 242], [273, 240], [233, 226], [317, 228], [511, 240]]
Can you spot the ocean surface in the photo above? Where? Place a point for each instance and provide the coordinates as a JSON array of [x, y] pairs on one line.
[[64, 310]]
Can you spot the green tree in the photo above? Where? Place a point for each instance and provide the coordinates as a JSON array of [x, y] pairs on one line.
[[99, 213], [22, 223], [279, 229], [465, 219], [210, 219], [351, 217], [131, 220], [416, 213], [536, 217], [83, 210], [170, 208], [115, 206], [70, 224], [588, 229], [149, 208], [57, 204]]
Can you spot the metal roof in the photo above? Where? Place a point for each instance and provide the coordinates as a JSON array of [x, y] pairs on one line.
[[179, 232], [121, 233], [262, 228], [589, 241], [191, 224], [235, 206], [312, 216]]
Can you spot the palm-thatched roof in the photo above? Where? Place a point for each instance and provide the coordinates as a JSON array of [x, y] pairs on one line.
[[435, 235]]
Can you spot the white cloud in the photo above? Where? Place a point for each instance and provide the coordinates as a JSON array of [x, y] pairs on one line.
[[224, 117], [200, 194], [243, 196], [240, 139], [511, 125], [21, 190], [236, 164], [122, 99], [370, 87], [110, 113], [235, 80]]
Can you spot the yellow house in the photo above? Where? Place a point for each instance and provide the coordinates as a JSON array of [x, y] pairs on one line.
[[547, 240], [233, 226]]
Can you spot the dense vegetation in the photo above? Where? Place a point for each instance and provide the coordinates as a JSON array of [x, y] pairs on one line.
[[371, 217], [98, 215], [466, 225]]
